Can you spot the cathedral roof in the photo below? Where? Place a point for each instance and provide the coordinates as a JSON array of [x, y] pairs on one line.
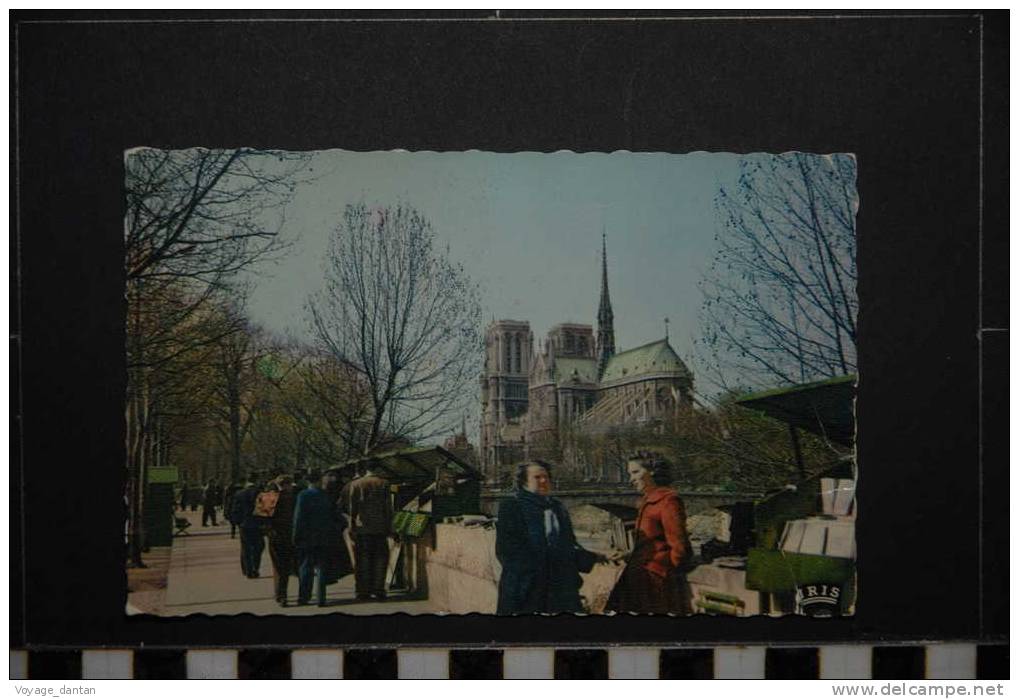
[[653, 358], [568, 369]]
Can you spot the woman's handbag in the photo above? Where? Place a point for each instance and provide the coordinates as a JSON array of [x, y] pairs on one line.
[[265, 503]]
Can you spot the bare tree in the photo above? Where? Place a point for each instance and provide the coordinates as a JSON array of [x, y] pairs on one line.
[[196, 218], [404, 318], [780, 297], [205, 214]]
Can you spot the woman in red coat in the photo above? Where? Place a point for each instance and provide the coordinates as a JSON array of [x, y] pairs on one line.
[[654, 582]]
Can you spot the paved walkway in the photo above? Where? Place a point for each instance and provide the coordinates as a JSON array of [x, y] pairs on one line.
[[146, 587], [205, 578]]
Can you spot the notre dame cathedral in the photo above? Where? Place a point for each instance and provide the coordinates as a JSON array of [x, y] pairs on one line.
[[578, 382]]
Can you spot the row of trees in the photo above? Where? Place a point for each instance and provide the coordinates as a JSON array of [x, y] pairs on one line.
[[721, 446], [392, 350], [194, 220]]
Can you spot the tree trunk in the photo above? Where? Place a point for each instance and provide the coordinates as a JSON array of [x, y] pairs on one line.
[[138, 429], [235, 436], [136, 438]]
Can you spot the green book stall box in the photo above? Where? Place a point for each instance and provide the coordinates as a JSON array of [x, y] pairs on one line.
[[159, 507]]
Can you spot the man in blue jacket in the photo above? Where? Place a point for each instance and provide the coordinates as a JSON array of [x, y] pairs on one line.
[[317, 529], [541, 559]]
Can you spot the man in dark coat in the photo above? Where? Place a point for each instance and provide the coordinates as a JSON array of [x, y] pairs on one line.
[[210, 499], [242, 514], [541, 559], [228, 501], [317, 528], [184, 494], [281, 537], [367, 500]]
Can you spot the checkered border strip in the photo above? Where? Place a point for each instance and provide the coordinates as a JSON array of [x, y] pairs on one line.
[[942, 661]]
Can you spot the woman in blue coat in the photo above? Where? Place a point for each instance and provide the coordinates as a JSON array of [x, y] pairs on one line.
[[541, 559]]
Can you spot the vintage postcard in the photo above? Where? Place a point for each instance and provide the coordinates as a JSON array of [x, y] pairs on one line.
[[522, 383]]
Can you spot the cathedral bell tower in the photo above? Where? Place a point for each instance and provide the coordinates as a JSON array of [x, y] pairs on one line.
[[606, 341]]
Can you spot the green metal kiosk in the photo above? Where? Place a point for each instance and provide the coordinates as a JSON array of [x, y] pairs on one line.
[[159, 506]]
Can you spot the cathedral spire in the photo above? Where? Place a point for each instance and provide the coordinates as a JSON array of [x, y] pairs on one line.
[[606, 342], [604, 278]]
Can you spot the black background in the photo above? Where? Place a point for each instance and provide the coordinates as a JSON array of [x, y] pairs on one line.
[[902, 92]]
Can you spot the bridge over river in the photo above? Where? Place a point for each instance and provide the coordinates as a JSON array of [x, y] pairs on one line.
[[694, 500]]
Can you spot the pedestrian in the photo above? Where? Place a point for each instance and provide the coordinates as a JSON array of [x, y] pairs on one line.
[[338, 561], [654, 581], [242, 514], [210, 498], [184, 496], [368, 502], [281, 537], [228, 497], [541, 559], [317, 526]]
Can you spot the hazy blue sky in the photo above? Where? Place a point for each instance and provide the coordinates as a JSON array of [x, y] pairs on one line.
[[528, 227]]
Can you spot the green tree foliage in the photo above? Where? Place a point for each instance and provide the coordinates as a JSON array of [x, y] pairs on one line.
[[195, 219], [725, 447]]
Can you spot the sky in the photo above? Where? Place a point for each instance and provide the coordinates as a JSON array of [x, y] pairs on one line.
[[528, 228]]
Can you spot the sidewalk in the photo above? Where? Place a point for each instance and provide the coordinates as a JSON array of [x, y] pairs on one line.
[[146, 587], [205, 578]]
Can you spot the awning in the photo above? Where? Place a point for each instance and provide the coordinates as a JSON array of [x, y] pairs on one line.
[[163, 475], [420, 464], [824, 407]]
